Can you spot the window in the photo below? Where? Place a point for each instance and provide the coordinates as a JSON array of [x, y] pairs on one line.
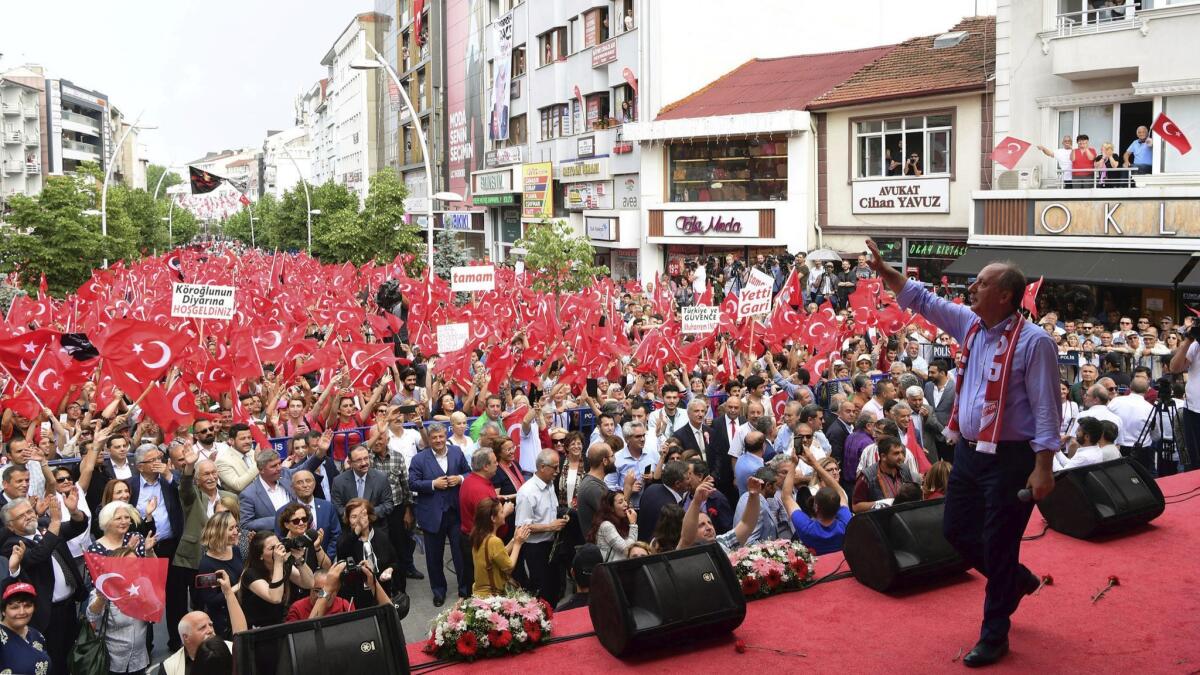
[[625, 11], [918, 145], [625, 104], [518, 132], [553, 117], [1184, 111], [738, 170], [405, 59], [421, 90], [597, 110], [595, 26], [553, 45], [518, 61], [576, 115]]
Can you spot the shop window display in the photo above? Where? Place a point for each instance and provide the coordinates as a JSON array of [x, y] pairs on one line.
[[732, 171]]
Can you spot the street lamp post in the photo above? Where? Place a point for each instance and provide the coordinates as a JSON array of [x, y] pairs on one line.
[[108, 171], [309, 210], [170, 222], [380, 62]]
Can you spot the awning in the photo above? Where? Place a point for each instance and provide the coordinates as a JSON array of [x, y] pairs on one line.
[[1192, 280], [1113, 268]]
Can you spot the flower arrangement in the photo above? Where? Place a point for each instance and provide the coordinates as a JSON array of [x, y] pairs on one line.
[[481, 627], [769, 567]]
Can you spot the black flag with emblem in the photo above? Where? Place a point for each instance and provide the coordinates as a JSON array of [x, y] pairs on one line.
[[203, 182]]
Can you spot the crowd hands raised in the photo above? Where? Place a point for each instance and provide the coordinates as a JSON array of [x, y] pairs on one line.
[[529, 481]]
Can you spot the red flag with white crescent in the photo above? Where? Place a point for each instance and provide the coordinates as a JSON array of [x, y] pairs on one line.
[[137, 586], [1009, 151], [1169, 132]]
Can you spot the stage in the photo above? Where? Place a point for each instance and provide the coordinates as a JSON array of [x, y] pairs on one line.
[[1149, 623]]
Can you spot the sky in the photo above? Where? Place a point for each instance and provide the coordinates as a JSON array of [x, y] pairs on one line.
[[218, 74], [210, 75]]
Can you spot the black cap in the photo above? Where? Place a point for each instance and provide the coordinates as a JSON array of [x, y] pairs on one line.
[[586, 558]]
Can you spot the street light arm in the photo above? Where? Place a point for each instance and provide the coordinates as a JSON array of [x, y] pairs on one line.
[[108, 170], [304, 184]]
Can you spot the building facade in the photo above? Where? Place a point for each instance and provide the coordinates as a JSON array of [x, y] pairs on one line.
[[77, 127], [286, 159], [903, 143], [21, 150], [350, 119], [1064, 69]]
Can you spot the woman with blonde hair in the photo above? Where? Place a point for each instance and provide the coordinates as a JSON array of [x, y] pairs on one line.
[[219, 540], [230, 503], [1108, 166]]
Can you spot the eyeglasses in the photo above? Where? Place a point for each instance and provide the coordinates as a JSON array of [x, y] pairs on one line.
[[151, 460], [639, 435], [559, 441], [1125, 322], [1087, 327], [804, 437], [1143, 321], [1111, 388], [298, 521], [62, 480]]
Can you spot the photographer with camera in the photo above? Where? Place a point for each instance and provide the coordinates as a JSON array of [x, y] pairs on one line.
[[324, 600], [263, 590], [364, 545], [1186, 359]]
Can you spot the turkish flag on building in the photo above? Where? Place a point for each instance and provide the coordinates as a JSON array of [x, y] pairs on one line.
[[1029, 300], [1166, 129], [136, 586], [1009, 151]]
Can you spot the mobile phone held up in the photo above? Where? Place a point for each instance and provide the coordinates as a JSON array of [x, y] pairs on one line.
[[206, 580], [593, 387]]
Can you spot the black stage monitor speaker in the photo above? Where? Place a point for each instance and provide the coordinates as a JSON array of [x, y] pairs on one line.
[[1104, 498], [365, 641], [659, 600], [900, 546]]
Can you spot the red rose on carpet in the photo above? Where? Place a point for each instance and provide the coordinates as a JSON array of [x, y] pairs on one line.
[[750, 586], [534, 630], [798, 565], [499, 639], [739, 646], [430, 646], [1047, 580], [467, 644], [1114, 581]]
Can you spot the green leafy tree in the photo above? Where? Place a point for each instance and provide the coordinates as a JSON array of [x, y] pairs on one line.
[[50, 235], [238, 225], [448, 251], [154, 172], [560, 260], [144, 214], [183, 225], [385, 234]]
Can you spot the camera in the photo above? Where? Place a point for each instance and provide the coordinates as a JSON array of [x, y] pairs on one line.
[[352, 573], [300, 541], [1163, 387]]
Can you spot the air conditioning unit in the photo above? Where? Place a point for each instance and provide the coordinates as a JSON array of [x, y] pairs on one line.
[[1020, 179]]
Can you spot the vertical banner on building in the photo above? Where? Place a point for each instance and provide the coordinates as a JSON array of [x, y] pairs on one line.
[[501, 85], [536, 198], [465, 91]]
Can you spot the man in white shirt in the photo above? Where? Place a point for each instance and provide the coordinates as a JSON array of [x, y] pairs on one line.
[[916, 363], [1062, 157], [1134, 410], [1087, 450], [640, 412], [537, 507], [1186, 359], [264, 496], [1096, 399], [737, 444], [885, 390], [671, 417], [206, 444]]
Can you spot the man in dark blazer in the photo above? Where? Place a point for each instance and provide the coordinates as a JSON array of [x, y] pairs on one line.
[[717, 506], [363, 481], [315, 447], [840, 428], [696, 435], [438, 517], [724, 428], [46, 550], [939, 396], [257, 506], [153, 482], [116, 466], [672, 489]]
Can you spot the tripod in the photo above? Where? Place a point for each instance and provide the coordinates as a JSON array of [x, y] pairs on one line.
[[1161, 463]]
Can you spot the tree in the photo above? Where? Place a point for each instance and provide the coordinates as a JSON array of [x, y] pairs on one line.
[[51, 235], [561, 261], [154, 172], [448, 251], [238, 225], [384, 231]]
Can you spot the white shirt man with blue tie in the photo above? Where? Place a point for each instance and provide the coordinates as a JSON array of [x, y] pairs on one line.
[[1005, 427]]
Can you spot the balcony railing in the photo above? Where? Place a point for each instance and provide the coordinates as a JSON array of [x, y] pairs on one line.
[[81, 119], [32, 139], [10, 108], [33, 168], [12, 136], [1096, 20], [30, 111], [82, 147], [1081, 179], [13, 166]]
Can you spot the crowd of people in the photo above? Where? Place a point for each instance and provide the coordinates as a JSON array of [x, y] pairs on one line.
[[528, 487]]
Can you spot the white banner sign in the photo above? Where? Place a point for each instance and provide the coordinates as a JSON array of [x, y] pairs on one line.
[[498, 129], [472, 278], [755, 297], [700, 319], [452, 337], [202, 302], [896, 195], [710, 223]]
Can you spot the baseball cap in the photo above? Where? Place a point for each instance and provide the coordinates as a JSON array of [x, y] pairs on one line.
[[28, 589], [586, 558], [863, 357], [838, 363]]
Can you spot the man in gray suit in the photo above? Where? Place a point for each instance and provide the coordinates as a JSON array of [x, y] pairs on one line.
[[266, 494], [939, 396], [363, 481]]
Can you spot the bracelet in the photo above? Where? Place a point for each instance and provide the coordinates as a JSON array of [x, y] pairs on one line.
[[275, 584]]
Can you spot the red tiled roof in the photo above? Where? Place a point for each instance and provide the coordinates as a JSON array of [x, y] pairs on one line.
[[769, 85], [914, 68]]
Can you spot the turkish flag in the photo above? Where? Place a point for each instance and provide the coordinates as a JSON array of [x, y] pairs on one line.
[[143, 350], [18, 353], [1009, 151], [170, 409], [238, 413], [1029, 300], [137, 586], [779, 401], [1166, 129]]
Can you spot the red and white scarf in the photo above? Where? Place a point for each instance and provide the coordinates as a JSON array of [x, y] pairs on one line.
[[997, 387]]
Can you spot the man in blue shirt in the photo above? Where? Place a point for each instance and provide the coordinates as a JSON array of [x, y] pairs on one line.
[[1006, 430], [1140, 153], [825, 532], [751, 459]]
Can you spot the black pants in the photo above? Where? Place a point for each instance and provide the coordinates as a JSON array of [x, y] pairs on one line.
[[179, 581], [402, 541], [985, 520], [1190, 421], [61, 634], [537, 573]]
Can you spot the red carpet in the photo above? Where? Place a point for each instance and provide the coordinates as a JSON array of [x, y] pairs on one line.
[[1150, 623]]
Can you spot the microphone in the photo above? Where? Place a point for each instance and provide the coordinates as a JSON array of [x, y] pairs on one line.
[[1025, 494]]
